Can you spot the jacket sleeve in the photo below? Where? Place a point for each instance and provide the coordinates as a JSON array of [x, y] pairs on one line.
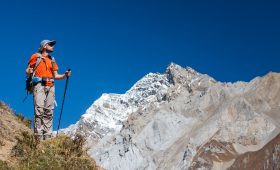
[[32, 60]]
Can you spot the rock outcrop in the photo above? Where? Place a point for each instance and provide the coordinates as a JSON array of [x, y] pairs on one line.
[[183, 119]]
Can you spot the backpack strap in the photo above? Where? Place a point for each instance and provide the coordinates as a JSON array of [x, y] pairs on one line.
[[38, 60], [53, 61]]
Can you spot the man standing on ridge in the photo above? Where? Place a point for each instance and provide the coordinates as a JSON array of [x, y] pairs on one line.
[[44, 69]]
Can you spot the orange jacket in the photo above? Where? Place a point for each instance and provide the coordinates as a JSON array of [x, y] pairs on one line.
[[44, 69]]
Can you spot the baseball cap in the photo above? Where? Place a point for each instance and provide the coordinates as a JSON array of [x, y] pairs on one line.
[[50, 42]]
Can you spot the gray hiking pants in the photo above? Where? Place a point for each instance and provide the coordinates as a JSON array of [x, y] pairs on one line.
[[44, 99]]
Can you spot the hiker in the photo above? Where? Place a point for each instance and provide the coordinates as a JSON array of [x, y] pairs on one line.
[[44, 69]]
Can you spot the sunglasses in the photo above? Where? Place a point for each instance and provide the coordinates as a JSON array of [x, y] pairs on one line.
[[51, 44]]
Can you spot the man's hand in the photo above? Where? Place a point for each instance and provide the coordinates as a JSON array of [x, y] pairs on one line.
[[68, 73], [29, 70]]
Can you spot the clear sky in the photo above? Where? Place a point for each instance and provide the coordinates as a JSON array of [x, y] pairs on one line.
[[110, 44]]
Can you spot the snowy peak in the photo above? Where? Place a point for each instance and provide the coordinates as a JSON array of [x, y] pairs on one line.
[[182, 119], [179, 75], [107, 114], [150, 88]]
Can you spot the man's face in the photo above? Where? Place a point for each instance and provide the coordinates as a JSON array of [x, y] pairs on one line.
[[49, 47]]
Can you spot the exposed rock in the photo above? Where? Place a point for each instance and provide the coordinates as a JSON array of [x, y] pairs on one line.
[[183, 119]]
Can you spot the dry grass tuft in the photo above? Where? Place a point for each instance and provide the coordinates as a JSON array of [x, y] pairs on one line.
[[4, 165], [57, 153], [22, 151], [27, 122]]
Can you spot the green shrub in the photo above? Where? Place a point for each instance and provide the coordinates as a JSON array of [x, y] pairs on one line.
[[4, 165], [60, 153], [53, 154]]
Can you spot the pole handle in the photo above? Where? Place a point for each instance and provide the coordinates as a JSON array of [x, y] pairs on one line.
[[68, 71]]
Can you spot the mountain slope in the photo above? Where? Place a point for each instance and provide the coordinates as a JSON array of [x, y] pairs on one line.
[[11, 128], [183, 119], [20, 150]]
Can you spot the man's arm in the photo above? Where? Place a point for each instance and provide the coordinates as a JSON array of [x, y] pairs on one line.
[[61, 76]]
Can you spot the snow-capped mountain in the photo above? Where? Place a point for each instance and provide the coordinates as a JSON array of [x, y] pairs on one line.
[[107, 114], [183, 119]]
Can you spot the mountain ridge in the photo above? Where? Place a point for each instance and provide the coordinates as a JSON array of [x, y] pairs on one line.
[[167, 121]]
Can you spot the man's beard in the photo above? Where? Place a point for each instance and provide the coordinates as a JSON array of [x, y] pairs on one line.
[[49, 51]]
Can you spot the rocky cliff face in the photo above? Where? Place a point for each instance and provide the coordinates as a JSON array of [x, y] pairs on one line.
[[183, 119]]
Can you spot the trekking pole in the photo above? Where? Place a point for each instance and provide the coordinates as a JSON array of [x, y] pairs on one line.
[[62, 102]]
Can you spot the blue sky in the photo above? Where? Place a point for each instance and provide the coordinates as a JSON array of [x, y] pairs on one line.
[[111, 44]]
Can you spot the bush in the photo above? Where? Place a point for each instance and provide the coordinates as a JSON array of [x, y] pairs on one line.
[[4, 165], [57, 153], [61, 153]]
